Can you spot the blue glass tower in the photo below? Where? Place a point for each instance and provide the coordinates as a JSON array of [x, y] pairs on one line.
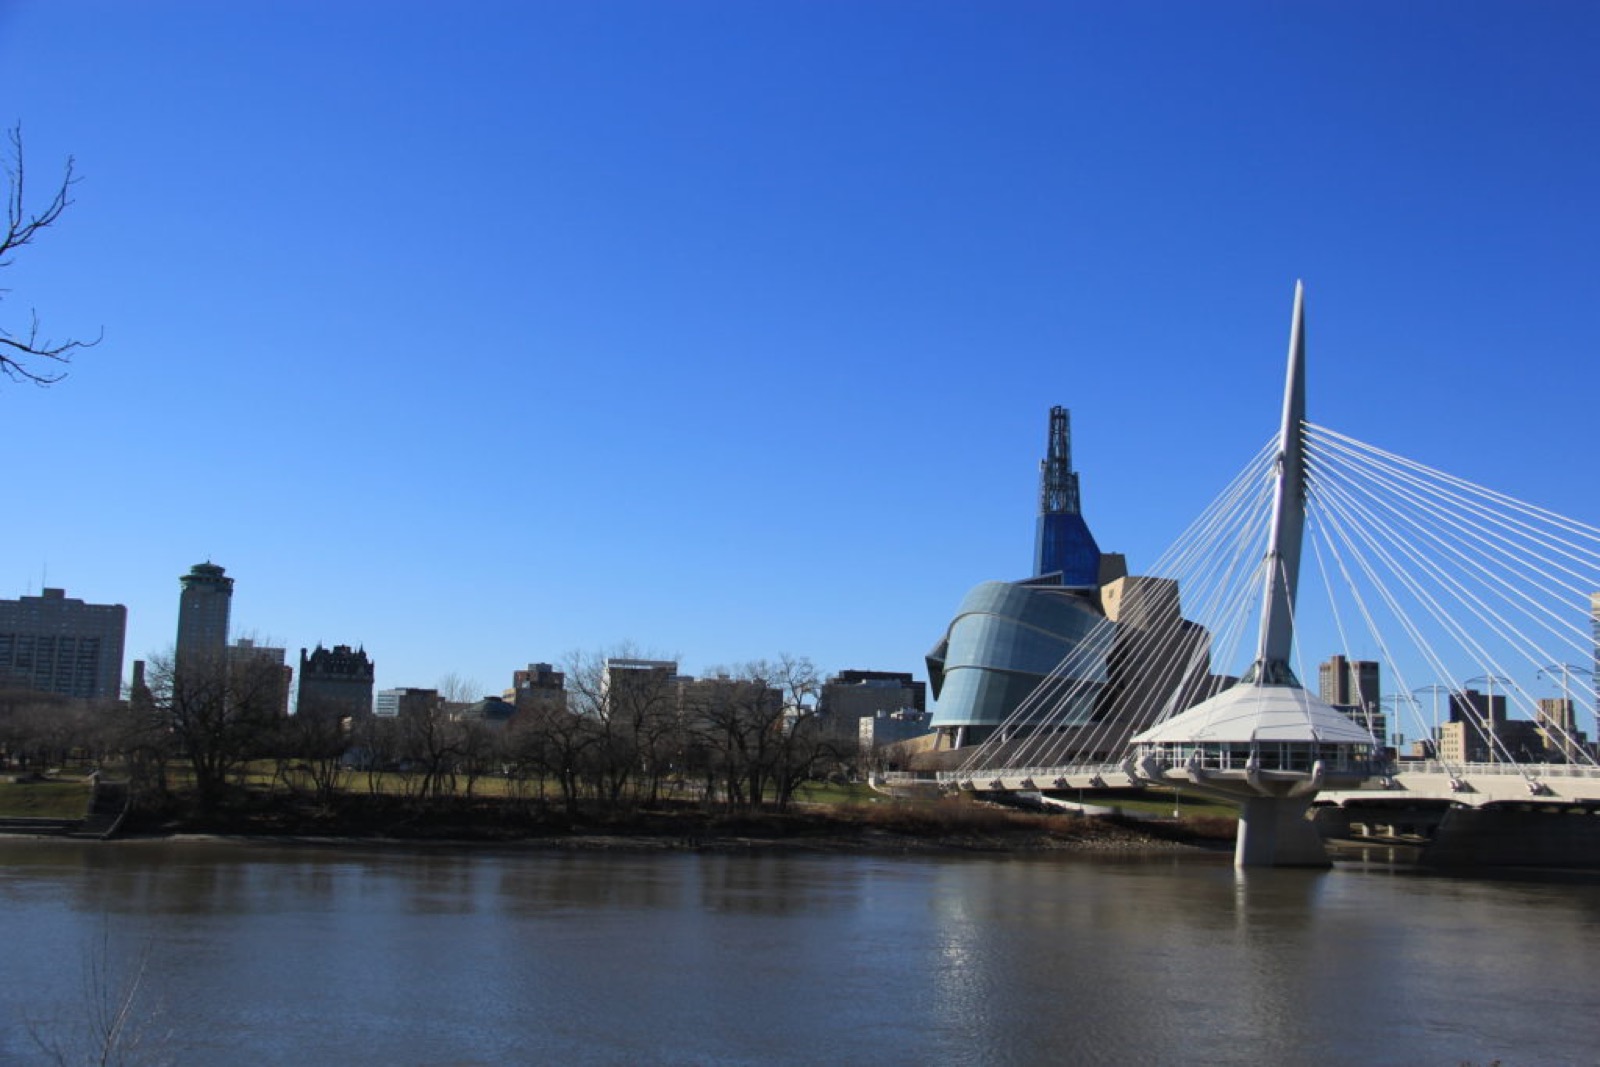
[[1007, 637], [1062, 543]]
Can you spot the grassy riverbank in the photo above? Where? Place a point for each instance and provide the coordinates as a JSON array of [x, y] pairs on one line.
[[951, 823], [35, 798], [845, 817]]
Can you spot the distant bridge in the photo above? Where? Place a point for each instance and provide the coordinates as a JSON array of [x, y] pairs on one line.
[[1472, 784]]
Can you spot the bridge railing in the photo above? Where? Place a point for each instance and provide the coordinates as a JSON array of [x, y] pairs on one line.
[[1523, 770], [1114, 774], [1045, 777]]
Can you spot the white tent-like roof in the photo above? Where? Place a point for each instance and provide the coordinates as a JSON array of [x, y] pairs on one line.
[[1265, 713]]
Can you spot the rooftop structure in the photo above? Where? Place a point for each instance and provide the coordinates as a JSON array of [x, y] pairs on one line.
[[1063, 545], [538, 688], [336, 682], [203, 609]]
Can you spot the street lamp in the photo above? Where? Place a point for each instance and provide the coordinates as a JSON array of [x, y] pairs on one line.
[[1486, 720], [1396, 701], [1435, 689]]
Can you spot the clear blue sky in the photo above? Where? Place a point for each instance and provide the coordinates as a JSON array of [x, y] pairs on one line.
[[480, 333]]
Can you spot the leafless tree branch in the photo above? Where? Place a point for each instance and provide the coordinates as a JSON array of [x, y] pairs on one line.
[[20, 354]]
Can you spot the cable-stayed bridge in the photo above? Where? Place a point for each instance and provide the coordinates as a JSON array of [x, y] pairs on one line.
[[1478, 611]]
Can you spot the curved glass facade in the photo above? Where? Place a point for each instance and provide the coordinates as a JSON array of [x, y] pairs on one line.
[[1004, 640]]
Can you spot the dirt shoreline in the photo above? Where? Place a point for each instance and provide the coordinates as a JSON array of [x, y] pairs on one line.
[[886, 845], [1102, 839]]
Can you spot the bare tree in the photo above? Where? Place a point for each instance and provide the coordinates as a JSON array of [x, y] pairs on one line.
[[807, 747], [631, 717], [479, 748], [376, 746], [554, 741], [454, 689], [28, 356], [312, 743], [739, 716], [218, 717], [119, 1018], [759, 733], [431, 747]]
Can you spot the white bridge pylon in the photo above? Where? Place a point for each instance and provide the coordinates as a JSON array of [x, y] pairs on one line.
[[1456, 592]]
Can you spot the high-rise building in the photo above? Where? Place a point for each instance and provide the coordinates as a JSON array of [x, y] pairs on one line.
[[405, 703], [53, 644], [857, 694], [1352, 687], [260, 671], [628, 679], [1558, 729], [539, 688], [1473, 734], [335, 682], [1471, 706], [711, 698], [203, 610]]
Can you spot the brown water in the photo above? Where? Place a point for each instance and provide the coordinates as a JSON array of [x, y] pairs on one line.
[[274, 955]]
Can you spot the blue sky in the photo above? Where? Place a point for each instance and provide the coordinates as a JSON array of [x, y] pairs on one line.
[[481, 333]]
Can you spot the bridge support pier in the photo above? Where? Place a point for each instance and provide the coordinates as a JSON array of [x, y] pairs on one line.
[[1274, 832]]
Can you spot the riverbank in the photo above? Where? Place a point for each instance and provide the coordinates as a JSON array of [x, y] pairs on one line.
[[951, 825]]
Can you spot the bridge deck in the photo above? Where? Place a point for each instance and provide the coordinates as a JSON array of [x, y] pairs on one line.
[[1471, 784]]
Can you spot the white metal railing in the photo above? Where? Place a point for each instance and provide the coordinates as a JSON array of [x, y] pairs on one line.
[[1524, 770], [1043, 775], [1116, 772]]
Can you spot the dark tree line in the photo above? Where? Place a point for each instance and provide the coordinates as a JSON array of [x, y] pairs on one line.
[[744, 739]]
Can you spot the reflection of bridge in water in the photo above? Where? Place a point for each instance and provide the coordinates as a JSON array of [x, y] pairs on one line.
[[1455, 585]]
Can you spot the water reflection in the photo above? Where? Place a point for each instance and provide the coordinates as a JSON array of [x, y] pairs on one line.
[[408, 956]]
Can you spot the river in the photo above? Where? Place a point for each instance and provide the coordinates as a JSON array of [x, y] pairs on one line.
[[267, 954]]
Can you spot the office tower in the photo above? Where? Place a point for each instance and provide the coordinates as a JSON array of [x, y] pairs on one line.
[[1352, 687], [53, 644], [634, 682], [259, 669], [1477, 721], [405, 703], [865, 694], [1556, 722], [203, 614], [539, 688]]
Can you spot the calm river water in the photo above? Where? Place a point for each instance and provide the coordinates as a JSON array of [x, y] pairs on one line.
[[265, 954]]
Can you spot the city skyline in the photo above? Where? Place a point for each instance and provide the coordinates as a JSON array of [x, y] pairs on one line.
[[507, 333]]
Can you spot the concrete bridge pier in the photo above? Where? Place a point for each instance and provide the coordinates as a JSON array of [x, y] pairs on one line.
[[1275, 832]]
